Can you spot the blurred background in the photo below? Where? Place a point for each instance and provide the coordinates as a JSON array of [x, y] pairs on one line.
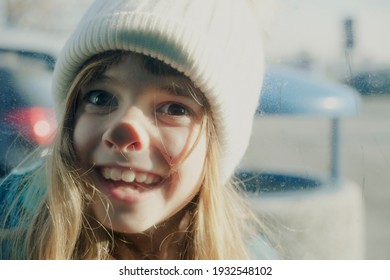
[[345, 42]]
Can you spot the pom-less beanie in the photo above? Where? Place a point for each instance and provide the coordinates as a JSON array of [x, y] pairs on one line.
[[216, 43]]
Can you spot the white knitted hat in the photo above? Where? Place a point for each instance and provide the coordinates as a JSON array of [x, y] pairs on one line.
[[216, 43]]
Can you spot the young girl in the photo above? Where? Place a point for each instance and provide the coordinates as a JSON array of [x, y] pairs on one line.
[[155, 102]]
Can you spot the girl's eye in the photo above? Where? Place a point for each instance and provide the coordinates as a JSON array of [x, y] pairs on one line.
[[101, 99], [174, 109]]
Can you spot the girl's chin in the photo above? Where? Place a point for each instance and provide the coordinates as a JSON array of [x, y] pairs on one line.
[[125, 228], [141, 221], [131, 230]]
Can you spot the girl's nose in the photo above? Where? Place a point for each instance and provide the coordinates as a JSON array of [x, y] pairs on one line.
[[126, 136]]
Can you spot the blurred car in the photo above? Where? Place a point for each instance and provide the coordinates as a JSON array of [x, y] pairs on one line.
[[372, 82], [291, 93], [318, 214], [27, 119]]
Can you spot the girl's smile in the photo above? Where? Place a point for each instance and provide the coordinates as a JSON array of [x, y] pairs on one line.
[[130, 176], [140, 139], [129, 186]]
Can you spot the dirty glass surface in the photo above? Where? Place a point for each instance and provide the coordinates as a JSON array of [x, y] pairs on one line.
[[339, 43]]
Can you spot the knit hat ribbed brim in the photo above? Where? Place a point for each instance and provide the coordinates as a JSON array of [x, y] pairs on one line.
[[216, 43]]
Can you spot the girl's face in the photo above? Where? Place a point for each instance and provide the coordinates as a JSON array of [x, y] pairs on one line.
[[139, 137]]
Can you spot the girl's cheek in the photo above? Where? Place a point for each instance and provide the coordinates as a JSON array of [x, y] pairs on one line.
[[80, 139], [84, 137], [177, 142]]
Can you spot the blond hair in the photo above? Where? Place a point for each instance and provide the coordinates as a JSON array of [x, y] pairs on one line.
[[63, 227]]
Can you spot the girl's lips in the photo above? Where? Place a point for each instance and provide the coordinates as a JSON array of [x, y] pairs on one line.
[[127, 185]]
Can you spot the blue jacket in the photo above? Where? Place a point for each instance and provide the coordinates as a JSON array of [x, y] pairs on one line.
[[16, 194], [9, 189]]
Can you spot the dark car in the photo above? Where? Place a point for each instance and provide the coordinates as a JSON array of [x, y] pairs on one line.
[[27, 119], [372, 82]]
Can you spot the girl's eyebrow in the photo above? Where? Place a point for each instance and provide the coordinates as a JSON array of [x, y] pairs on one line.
[[172, 88], [102, 79], [105, 78], [187, 91], [178, 90]]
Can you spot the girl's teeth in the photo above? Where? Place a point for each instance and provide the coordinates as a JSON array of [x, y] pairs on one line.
[[106, 173], [140, 177], [149, 180], [116, 174], [128, 176]]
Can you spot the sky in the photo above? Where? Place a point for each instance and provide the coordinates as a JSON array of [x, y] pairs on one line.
[[316, 27]]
